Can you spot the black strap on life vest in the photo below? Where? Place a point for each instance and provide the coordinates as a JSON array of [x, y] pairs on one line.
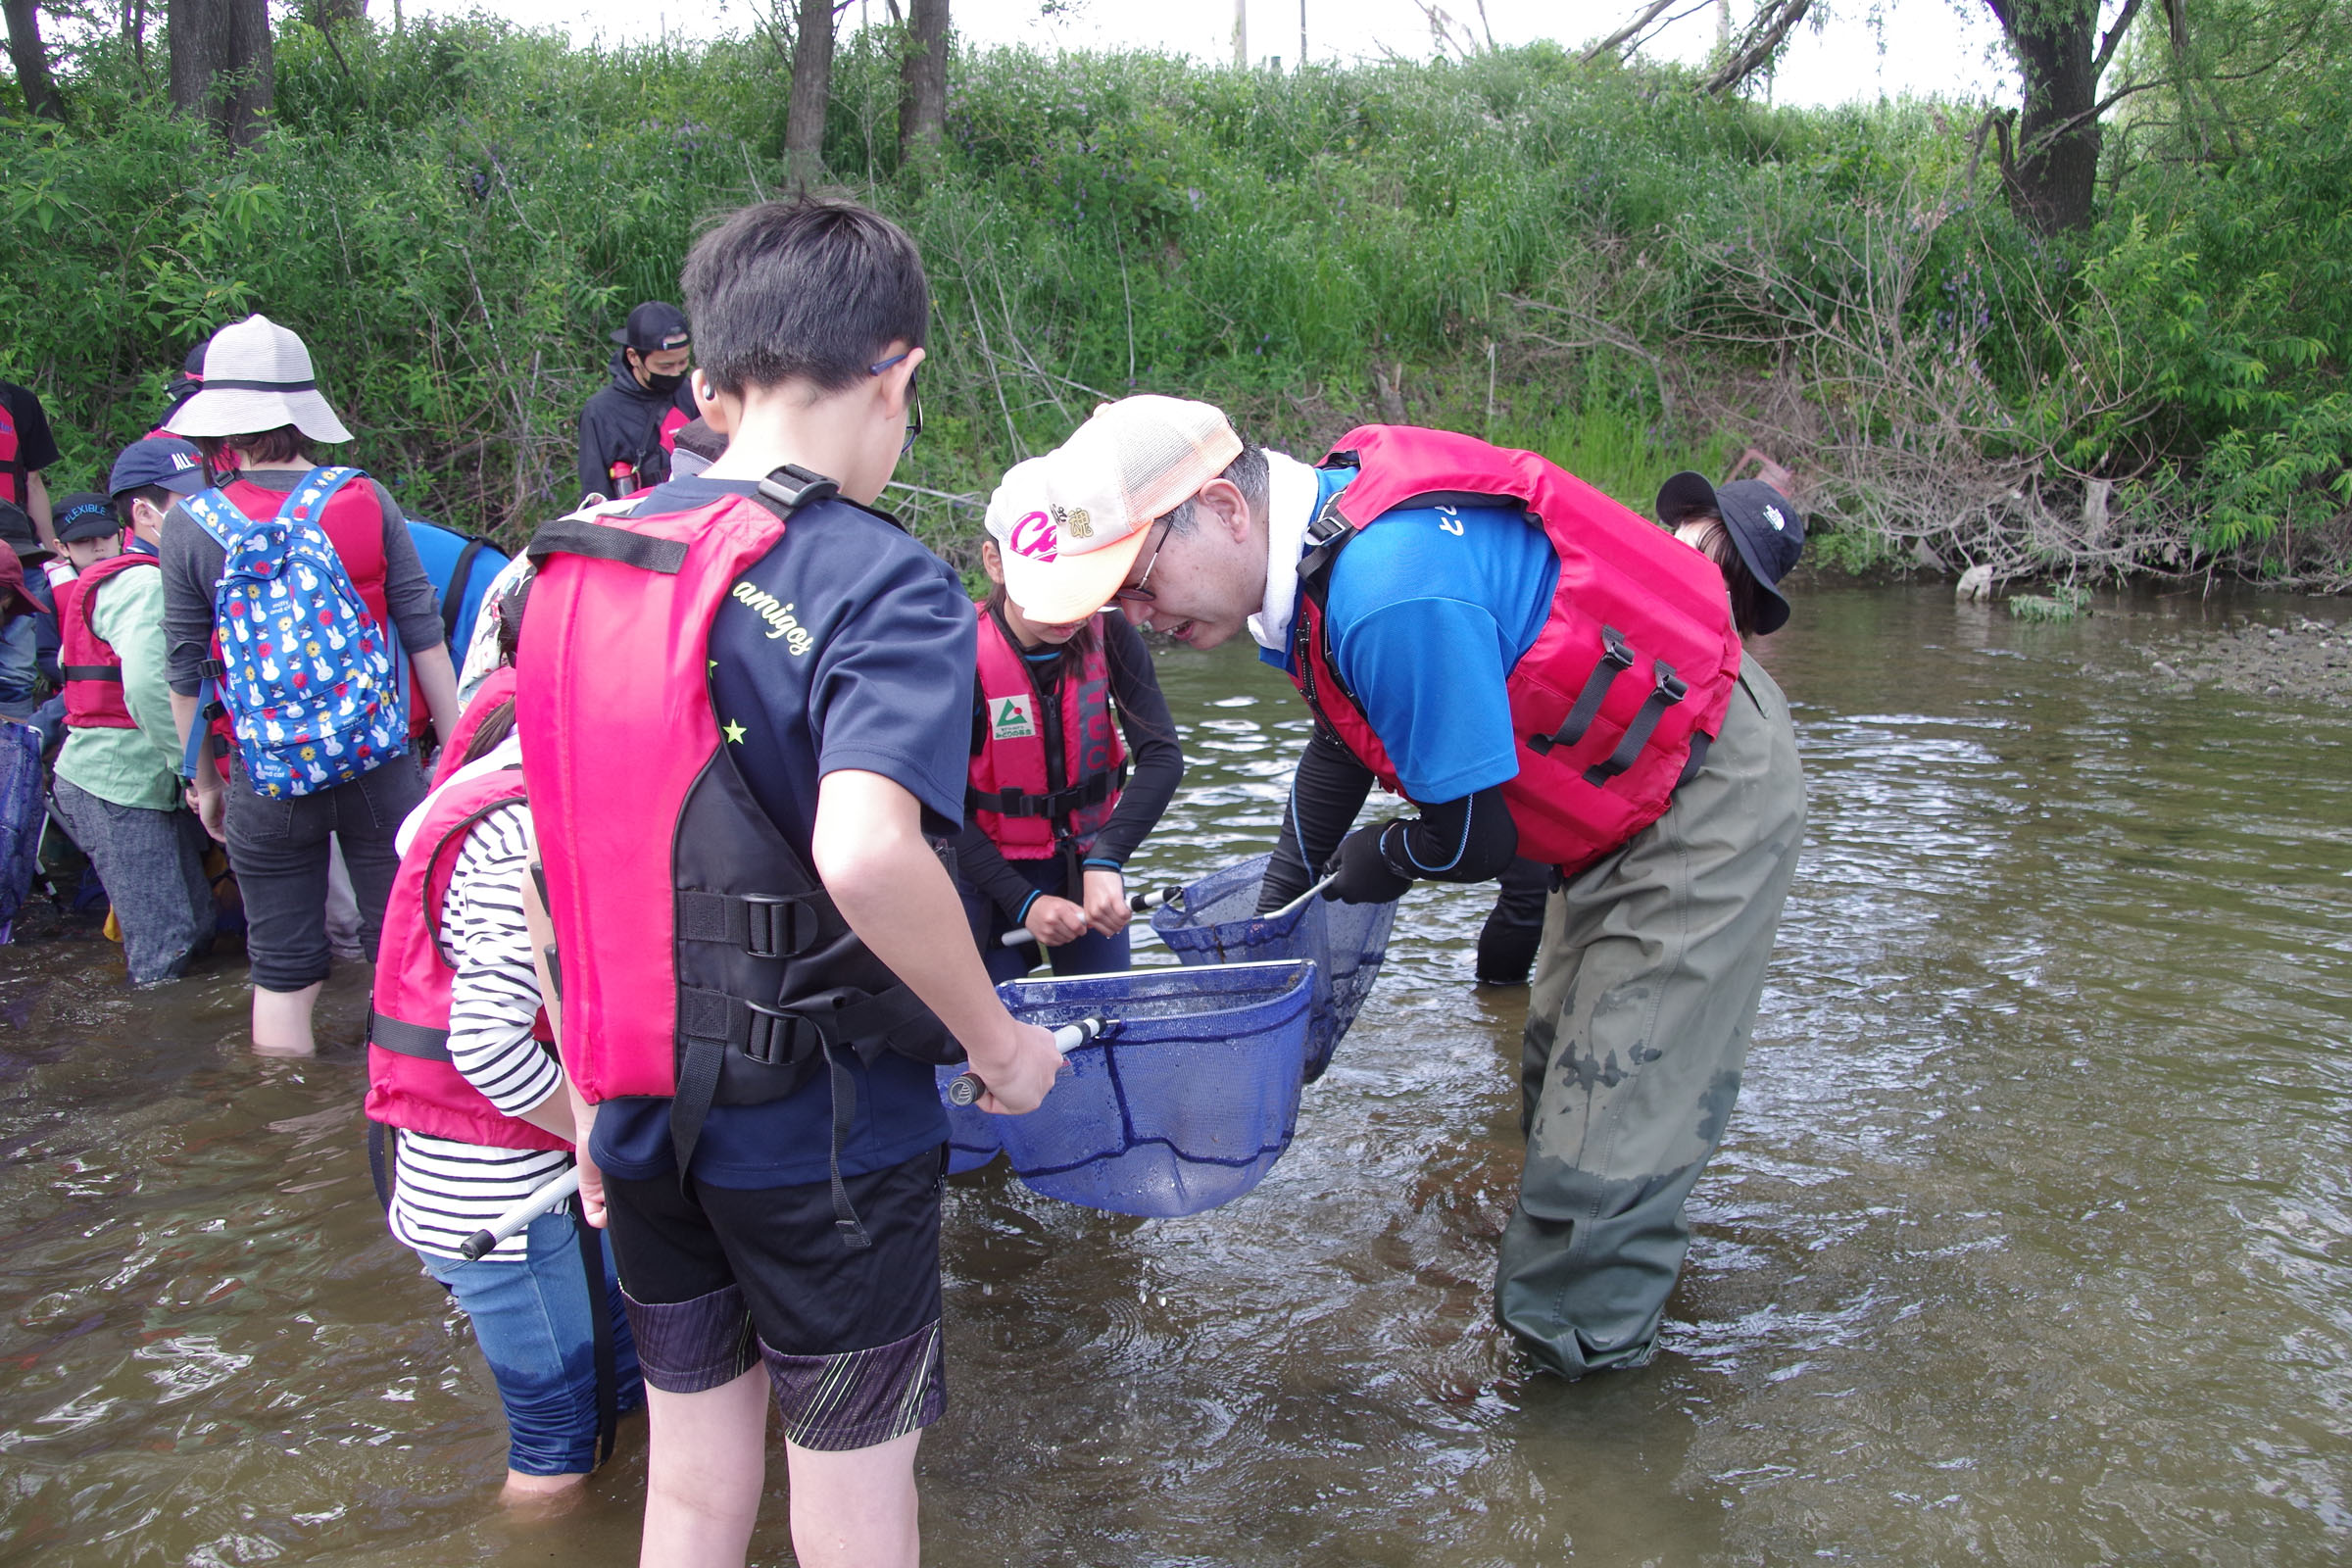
[[111, 674], [1091, 790], [1668, 690], [765, 926], [407, 1039], [600, 1315], [600, 541], [460, 577], [712, 1023], [1616, 658], [380, 1167]]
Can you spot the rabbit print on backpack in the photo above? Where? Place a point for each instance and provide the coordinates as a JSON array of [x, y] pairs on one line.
[[311, 680]]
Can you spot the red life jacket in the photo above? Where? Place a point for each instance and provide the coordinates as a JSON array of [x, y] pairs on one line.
[[85, 661], [1599, 756], [411, 1082], [701, 958], [495, 687], [1027, 798]]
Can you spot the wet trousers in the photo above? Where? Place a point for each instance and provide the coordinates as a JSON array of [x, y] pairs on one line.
[[152, 865], [1644, 995]]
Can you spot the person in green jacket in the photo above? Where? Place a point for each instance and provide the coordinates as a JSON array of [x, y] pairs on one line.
[[117, 788]]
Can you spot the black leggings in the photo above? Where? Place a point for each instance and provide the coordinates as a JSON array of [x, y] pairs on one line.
[[278, 850]]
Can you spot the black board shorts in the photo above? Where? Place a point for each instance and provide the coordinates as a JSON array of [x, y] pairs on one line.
[[715, 1275]]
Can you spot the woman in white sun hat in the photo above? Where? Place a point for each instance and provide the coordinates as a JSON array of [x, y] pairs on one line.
[[298, 644]]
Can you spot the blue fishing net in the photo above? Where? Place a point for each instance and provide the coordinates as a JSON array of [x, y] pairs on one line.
[[1215, 921], [1187, 1106]]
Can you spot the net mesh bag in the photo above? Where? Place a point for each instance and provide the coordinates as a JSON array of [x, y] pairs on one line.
[[1186, 1105], [1213, 921]]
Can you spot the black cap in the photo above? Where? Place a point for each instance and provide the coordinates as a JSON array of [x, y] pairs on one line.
[[1765, 526], [160, 459], [85, 514], [193, 365], [17, 533], [654, 326]]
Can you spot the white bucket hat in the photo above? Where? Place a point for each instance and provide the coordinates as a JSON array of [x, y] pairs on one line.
[[257, 376], [1070, 523]]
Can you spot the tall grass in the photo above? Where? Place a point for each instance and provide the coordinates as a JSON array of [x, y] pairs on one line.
[[1600, 264]]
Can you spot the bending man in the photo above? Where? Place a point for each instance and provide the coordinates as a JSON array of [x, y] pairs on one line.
[[1540, 672]]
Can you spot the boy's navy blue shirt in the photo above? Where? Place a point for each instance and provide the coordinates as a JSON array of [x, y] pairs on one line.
[[849, 645]]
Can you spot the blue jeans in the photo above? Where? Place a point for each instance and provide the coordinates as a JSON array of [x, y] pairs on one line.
[[1092, 954], [532, 1320]]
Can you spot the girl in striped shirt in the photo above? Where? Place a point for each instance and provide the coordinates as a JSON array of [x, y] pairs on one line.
[[530, 1297]]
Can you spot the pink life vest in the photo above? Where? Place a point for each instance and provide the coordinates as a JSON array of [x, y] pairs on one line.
[[701, 958], [411, 1082], [85, 661], [495, 687], [1624, 686], [1028, 800]]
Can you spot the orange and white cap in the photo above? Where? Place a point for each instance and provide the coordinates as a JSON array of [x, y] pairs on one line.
[[1069, 524]]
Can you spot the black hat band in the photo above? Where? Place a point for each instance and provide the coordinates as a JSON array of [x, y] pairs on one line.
[[221, 385]]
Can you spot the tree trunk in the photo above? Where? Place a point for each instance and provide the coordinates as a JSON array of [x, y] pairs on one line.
[[923, 82], [2056, 172], [220, 64], [31, 59], [812, 94]]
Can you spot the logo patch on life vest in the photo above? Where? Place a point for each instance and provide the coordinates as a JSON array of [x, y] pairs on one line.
[[1011, 718]]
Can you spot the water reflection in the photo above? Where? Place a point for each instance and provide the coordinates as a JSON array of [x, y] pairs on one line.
[[2030, 1241]]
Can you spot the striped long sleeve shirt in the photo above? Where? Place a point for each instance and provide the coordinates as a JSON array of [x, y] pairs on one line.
[[445, 1189]]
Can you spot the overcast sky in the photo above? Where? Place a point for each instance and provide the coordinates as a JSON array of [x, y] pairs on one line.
[[1864, 49]]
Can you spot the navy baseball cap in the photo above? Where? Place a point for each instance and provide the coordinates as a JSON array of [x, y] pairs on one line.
[[654, 326], [160, 459], [85, 514], [1765, 526]]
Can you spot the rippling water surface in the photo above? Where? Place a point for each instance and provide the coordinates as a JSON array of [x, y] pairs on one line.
[[2029, 1243]]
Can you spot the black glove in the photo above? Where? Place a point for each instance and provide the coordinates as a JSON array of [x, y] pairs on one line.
[[1363, 872]]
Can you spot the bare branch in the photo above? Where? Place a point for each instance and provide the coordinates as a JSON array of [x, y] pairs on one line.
[[1758, 44], [1615, 41], [2115, 37]]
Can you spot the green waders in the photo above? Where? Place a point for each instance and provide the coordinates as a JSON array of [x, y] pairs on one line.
[[1644, 1000]]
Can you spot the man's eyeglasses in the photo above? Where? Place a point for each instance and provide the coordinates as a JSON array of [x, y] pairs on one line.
[[1138, 592], [915, 400]]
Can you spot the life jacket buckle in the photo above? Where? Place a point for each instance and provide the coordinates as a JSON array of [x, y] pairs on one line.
[[793, 486], [773, 1038], [775, 927]]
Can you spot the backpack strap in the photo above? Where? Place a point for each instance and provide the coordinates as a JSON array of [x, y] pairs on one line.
[[307, 501], [460, 577], [217, 515]]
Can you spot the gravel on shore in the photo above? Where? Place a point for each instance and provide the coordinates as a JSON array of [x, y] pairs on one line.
[[2302, 657]]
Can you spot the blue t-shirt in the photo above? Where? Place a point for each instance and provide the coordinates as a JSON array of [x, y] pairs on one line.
[[1428, 611], [849, 645]]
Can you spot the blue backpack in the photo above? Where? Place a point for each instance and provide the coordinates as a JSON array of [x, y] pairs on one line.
[[317, 689]]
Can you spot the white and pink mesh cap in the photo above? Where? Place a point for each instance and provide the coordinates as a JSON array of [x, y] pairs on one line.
[[1069, 524]]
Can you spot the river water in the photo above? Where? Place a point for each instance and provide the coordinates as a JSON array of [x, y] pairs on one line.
[[2031, 1240]]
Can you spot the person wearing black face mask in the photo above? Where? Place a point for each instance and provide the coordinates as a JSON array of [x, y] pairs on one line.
[[627, 429]]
